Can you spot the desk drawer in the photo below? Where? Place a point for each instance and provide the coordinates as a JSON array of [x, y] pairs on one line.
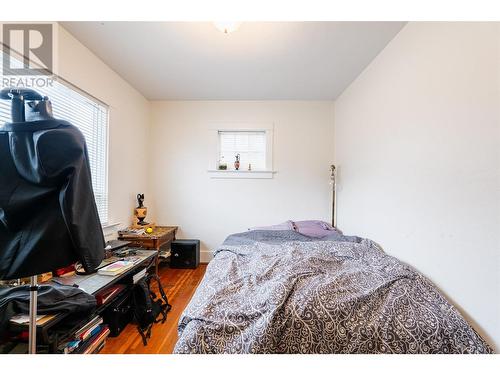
[[145, 243]]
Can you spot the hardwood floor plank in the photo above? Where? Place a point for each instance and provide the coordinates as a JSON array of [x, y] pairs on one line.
[[179, 285]]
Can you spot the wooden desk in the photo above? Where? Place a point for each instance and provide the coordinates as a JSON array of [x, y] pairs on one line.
[[161, 236]]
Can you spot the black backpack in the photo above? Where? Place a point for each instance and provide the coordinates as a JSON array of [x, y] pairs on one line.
[[148, 306]]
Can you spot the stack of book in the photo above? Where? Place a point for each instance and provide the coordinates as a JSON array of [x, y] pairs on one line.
[[89, 339]]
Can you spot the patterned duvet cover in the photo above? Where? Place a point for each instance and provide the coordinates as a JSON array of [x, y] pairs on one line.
[[282, 292]]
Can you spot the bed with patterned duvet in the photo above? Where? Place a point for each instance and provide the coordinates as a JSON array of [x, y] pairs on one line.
[[279, 291]]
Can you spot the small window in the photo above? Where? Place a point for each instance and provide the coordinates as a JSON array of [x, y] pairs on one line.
[[250, 146], [252, 142]]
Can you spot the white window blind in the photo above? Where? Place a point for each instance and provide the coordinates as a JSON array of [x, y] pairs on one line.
[[251, 145], [91, 117]]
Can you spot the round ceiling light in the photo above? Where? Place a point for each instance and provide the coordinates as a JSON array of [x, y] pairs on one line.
[[227, 27]]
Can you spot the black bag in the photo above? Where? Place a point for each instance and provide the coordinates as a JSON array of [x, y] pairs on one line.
[[148, 306], [119, 314]]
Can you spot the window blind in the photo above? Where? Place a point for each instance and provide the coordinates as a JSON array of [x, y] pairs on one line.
[[251, 145], [91, 118]]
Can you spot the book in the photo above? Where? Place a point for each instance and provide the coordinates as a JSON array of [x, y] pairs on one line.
[[139, 275], [88, 326], [91, 345], [116, 268], [71, 346], [89, 333], [98, 342], [24, 319], [99, 348], [107, 294]]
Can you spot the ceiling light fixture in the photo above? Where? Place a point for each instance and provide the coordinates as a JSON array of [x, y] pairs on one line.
[[227, 27]]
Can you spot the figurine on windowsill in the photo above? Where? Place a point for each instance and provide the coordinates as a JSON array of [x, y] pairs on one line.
[[237, 162]]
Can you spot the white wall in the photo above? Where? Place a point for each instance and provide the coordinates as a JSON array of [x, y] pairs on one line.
[[210, 209], [128, 124], [417, 140]]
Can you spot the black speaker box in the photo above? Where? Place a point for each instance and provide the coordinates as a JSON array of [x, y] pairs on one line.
[[185, 254]]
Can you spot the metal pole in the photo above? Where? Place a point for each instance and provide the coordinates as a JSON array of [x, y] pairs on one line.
[[333, 171], [33, 311]]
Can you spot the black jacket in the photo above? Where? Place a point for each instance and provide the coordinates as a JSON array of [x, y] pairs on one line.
[[51, 300], [48, 215]]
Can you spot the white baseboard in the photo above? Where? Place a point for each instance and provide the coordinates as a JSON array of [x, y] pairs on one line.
[[206, 256]]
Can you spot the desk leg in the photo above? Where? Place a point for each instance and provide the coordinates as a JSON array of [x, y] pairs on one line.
[[157, 260]]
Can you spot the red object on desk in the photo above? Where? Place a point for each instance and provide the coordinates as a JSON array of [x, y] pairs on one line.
[[62, 271]]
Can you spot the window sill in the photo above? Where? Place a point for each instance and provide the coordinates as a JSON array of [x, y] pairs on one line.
[[240, 174]]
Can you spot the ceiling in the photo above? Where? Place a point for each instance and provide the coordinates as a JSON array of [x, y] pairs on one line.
[[259, 61]]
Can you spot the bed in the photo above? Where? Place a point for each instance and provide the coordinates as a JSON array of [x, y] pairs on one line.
[[280, 291]]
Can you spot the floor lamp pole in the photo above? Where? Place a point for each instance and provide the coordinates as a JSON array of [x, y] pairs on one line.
[[333, 172], [33, 312]]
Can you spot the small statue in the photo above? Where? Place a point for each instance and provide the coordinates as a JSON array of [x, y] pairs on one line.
[[140, 200], [237, 162], [141, 211]]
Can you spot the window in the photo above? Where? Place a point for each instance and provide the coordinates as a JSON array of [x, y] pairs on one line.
[[91, 117], [249, 145], [253, 143]]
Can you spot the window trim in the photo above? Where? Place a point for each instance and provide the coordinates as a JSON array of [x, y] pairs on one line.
[[106, 170], [214, 151]]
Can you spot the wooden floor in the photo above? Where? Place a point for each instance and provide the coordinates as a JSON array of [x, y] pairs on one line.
[[179, 285]]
